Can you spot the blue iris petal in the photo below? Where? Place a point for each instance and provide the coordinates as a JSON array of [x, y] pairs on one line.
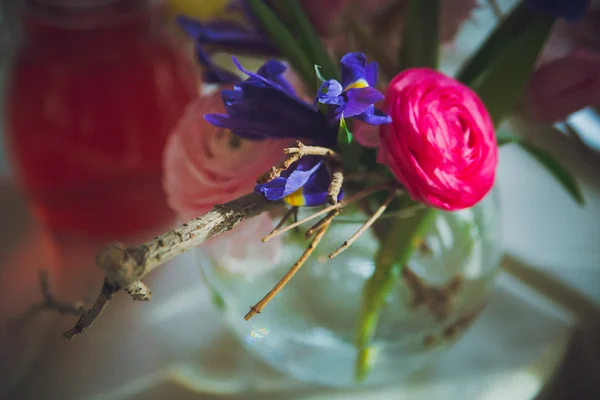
[[290, 180], [371, 73], [329, 92], [314, 192], [227, 35], [570, 10], [356, 95], [353, 65], [359, 100], [374, 116], [264, 106]]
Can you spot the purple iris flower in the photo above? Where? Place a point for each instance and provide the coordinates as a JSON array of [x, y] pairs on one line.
[[226, 35], [304, 185], [265, 106], [570, 10], [355, 95]]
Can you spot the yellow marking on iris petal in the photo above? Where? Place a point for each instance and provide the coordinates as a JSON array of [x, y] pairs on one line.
[[359, 84], [295, 199]]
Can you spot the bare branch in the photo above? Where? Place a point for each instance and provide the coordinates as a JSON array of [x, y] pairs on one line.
[[496, 9], [295, 154], [258, 307], [335, 187], [292, 212], [321, 223], [48, 302], [313, 151], [366, 225], [125, 267], [341, 204]]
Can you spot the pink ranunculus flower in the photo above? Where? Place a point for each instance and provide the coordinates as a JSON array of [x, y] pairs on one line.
[[563, 86], [206, 165], [441, 144]]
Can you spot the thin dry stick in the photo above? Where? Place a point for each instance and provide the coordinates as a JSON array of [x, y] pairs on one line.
[[313, 151], [289, 213], [335, 187], [125, 267], [258, 307], [366, 192], [328, 218], [365, 226], [277, 170], [48, 302], [496, 8], [295, 154]]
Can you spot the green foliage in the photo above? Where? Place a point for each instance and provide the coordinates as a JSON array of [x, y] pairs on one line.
[[555, 168], [420, 47]]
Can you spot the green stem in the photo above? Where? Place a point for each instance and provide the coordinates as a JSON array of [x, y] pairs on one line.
[[397, 249], [421, 44], [309, 38], [285, 41]]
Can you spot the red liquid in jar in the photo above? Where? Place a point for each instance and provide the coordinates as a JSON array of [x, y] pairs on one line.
[[88, 114]]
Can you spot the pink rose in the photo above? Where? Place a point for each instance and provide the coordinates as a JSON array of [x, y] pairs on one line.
[[441, 144], [205, 165], [563, 86]]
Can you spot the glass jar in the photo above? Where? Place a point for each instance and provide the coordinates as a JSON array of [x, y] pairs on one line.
[[95, 88], [307, 330]]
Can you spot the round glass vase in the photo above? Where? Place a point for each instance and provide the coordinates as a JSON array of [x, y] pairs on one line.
[[307, 331]]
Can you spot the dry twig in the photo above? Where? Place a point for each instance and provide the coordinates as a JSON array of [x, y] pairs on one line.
[[437, 299], [496, 9], [326, 220], [125, 267], [335, 187], [48, 302], [295, 154], [365, 226], [351, 199], [291, 212], [258, 307]]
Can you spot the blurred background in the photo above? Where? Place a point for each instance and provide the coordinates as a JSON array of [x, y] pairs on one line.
[[84, 116]]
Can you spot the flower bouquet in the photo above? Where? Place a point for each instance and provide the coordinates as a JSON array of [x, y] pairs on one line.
[[381, 156]]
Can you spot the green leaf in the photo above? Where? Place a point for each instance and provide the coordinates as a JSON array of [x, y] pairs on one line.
[[510, 27], [310, 40], [420, 47], [555, 168], [503, 137], [217, 300], [344, 135], [320, 78], [397, 249], [284, 41], [502, 84]]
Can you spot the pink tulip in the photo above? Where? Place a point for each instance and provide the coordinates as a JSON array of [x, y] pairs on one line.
[[205, 165], [441, 144], [563, 86]]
